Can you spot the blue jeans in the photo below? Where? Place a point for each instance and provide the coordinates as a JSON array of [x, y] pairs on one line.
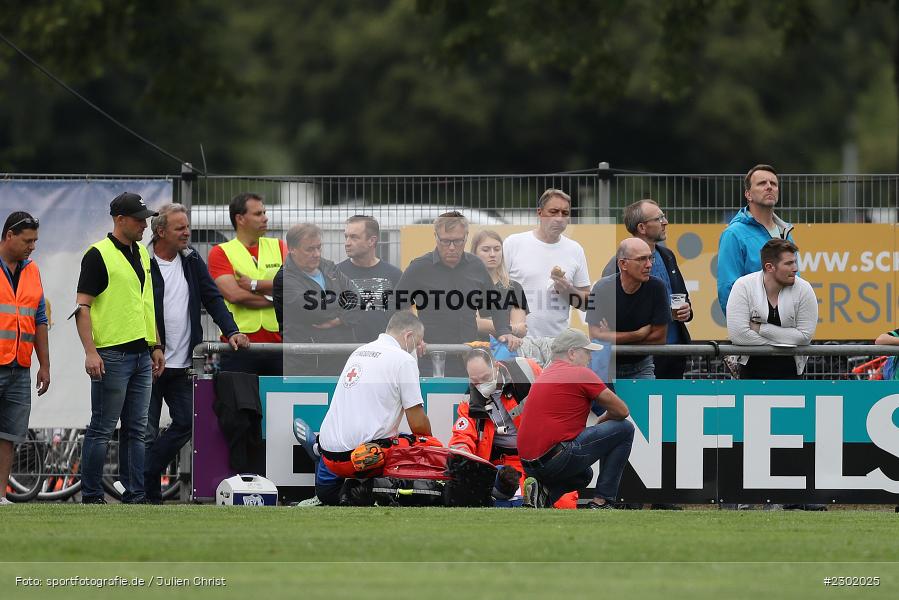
[[176, 388], [643, 369], [570, 469], [124, 391], [15, 403]]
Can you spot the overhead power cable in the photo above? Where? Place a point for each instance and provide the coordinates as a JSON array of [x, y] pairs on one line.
[[105, 114]]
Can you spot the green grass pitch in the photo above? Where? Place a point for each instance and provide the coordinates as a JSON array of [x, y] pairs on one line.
[[266, 553]]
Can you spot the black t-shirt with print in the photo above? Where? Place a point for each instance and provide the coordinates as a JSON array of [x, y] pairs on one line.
[[371, 283]]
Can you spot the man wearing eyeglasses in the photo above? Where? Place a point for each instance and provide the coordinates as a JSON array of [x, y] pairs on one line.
[[448, 287], [631, 307], [23, 330], [645, 220]]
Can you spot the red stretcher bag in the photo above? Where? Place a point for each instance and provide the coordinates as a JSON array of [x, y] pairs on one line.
[[427, 462], [464, 479]]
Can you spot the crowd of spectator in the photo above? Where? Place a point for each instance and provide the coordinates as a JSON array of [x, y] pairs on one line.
[[138, 316]]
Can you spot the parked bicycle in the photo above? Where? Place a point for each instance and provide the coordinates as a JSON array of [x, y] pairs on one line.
[[47, 466], [26, 474], [62, 465]]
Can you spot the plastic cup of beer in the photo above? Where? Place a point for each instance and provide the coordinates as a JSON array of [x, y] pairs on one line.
[[678, 301], [438, 362]]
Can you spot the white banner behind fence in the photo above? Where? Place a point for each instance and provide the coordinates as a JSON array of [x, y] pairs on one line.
[[73, 214]]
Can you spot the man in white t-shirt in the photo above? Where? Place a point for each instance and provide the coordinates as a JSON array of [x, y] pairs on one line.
[[550, 267], [181, 284], [378, 386]]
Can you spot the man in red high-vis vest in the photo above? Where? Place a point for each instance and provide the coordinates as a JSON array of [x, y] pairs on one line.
[[23, 329]]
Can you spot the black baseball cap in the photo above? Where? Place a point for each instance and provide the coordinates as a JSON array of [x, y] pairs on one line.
[[130, 205]]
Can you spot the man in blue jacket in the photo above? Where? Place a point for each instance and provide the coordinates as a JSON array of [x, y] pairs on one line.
[[181, 283], [755, 224]]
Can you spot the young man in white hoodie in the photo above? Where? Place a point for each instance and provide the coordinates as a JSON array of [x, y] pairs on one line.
[[773, 307]]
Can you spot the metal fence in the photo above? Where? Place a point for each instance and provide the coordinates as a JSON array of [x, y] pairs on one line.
[[714, 198], [598, 195]]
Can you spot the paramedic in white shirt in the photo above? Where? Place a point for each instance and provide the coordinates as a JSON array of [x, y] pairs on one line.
[[378, 386]]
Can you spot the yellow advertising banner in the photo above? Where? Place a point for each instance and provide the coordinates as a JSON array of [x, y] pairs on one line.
[[852, 268]]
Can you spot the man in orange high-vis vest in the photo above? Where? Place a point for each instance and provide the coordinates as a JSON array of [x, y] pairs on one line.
[[23, 330]]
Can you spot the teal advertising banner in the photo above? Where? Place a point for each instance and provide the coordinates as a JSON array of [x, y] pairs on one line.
[[763, 441], [696, 441]]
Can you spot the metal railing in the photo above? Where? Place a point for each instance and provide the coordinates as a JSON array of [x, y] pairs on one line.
[[709, 354], [205, 349]]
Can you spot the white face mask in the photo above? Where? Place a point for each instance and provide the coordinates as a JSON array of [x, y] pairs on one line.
[[487, 388], [414, 350]]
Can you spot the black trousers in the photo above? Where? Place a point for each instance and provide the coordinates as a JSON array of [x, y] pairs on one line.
[[670, 367], [255, 364]]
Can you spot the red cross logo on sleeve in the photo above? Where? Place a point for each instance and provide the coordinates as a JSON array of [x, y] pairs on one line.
[[352, 376]]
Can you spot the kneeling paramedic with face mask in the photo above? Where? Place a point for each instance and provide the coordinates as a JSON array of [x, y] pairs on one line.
[[488, 423]]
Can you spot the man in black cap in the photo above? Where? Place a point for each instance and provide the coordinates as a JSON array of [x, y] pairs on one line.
[[117, 325]]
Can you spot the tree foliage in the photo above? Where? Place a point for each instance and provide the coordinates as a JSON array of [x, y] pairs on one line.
[[435, 86]]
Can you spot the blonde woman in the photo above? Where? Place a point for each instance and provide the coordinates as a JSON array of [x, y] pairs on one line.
[[488, 246]]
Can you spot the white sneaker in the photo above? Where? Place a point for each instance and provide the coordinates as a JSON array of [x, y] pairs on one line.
[[4, 501], [308, 502]]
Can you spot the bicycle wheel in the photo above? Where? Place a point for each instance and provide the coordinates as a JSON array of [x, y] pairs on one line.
[[62, 489], [26, 475], [63, 472]]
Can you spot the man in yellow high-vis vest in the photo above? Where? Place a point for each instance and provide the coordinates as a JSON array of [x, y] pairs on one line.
[[23, 330], [117, 325], [243, 270]]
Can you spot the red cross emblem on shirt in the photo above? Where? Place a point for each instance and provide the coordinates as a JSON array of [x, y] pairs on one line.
[[352, 376]]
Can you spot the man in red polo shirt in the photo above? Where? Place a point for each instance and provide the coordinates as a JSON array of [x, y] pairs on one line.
[[556, 449]]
